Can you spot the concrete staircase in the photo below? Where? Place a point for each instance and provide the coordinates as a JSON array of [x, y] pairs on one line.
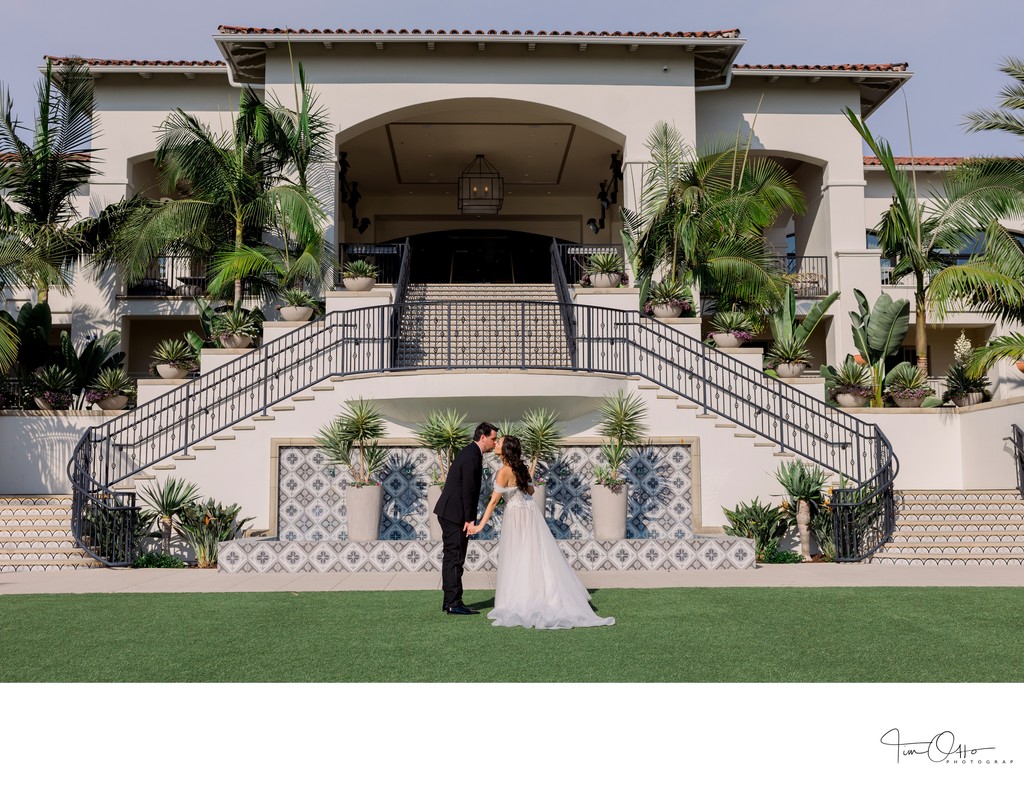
[[495, 334], [35, 534], [956, 528]]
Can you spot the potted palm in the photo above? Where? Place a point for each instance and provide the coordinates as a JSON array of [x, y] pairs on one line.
[[173, 359], [298, 305], [803, 485], [111, 389], [444, 433], [351, 441], [605, 270], [850, 383], [237, 328], [165, 502], [731, 328], [541, 439], [622, 423], [789, 355], [53, 387], [359, 275], [907, 385], [669, 297]]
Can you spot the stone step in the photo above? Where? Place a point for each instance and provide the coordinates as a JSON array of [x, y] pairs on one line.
[[36, 500], [204, 447], [241, 428], [44, 541], [980, 522], [319, 388], [264, 418], [34, 529], [304, 398], [30, 565], [143, 476], [961, 534], [975, 506], [41, 554], [283, 408], [223, 438], [167, 467], [725, 425], [184, 457], [947, 548], [938, 560], [960, 496]]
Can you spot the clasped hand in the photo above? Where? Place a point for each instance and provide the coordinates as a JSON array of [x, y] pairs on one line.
[[472, 529]]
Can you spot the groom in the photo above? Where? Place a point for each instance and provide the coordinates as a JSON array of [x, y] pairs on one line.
[[456, 511]]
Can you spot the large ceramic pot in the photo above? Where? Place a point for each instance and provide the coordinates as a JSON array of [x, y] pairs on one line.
[[662, 310], [433, 526], [362, 284], [363, 506], [1020, 366], [167, 371], [605, 280], [296, 314], [851, 400], [726, 339], [540, 496], [915, 402], [790, 370], [235, 340], [42, 404], [968, 399], [113, 403], [609, 512]]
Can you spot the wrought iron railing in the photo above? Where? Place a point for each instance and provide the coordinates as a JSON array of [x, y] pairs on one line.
[[565, 299], [401, 286], [575, 258], [170, 276], [1017, 439], [807, 274], [366, 341], [388, 258]]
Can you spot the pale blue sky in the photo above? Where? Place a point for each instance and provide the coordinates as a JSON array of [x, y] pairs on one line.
[[954, 47]]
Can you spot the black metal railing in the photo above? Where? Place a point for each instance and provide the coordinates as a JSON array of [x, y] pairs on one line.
[[564, 299], [1017, 439], [14, 395], [575, 258], [170, 276], [388, 258], [807, 274], [401, 287], [486, 334]]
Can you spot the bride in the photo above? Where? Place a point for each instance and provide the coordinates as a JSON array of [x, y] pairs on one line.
[[535, 585]]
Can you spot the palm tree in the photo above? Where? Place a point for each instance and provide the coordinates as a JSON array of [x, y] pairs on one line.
[[1012, 98], [235, 196], [919, 237], [41, 234], [701, 217]]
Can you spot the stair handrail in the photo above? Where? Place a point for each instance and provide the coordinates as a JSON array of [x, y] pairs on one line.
[[564, 298], [401, 287], [1016, 439], [362, 341]]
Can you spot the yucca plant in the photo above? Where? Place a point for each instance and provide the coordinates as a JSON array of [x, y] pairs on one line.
[[961, 382], [238, 322], [541, 437], [54, 385], [803, 485], [444, 433], [599, 263], [164, 502], [294, 296], [790, 349], [359, 268], [206, 525], [622, 423], [351, 440]]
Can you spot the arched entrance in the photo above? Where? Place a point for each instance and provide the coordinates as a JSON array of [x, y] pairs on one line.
[[480, 257]]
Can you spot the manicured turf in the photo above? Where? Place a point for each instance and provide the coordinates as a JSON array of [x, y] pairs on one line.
[[681, 635]]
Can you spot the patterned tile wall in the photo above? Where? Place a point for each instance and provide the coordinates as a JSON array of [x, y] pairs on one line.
[[311, 496]]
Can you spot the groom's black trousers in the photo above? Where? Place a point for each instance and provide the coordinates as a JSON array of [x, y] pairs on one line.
[[456, 542]]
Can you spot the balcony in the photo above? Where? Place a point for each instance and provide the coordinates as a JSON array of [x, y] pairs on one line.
[[807, 274], [170, 277]]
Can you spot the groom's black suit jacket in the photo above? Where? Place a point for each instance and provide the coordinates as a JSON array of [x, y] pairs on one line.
[[461, 493]]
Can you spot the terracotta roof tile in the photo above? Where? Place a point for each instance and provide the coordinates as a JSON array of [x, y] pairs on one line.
[[58, 60], [920, 161], [732, 33], [894, 67]]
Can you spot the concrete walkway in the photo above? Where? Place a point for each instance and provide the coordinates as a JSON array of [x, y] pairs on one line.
[[158, 580]]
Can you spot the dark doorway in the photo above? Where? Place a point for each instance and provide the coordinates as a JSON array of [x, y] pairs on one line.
[[480, 257]]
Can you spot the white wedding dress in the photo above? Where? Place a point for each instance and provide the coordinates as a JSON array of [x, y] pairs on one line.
[[536, 587]]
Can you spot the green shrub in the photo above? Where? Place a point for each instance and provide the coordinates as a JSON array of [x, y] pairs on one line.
[[157, 560], [765, 524]]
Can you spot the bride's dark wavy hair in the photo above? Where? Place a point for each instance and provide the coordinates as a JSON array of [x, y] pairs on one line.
[[512, 454]]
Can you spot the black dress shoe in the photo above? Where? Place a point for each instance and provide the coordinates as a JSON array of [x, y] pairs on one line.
[[461, 609]]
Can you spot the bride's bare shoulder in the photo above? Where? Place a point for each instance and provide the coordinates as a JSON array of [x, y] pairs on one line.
[[505, 476]]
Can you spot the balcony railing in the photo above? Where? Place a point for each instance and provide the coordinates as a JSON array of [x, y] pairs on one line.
[[169, 277], [575, 258], [386, 257], [807, 274]]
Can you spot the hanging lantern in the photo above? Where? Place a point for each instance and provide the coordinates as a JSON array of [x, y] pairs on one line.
[[481, 189]]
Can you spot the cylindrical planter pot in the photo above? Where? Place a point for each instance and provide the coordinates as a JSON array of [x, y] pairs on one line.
[[235, 340], [1020, 366], [296, 314], [851, 400], [359, 284], [540, 496], [609, 512], [968, 399], [433, 526], [113, 403], [605, 280], [166, 371], [666, 310], [42, 404], [363, 506], [908, 402], [790, 370], [726, 339]]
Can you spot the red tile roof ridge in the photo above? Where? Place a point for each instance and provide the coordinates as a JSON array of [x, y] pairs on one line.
[[731, 33], [92, 62], [870, 160], [889, 67]]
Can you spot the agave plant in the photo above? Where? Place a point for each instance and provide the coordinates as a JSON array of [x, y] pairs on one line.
[[622, 423], [351, 440], [961, 382], [359, 268], [803, 485], [600, 263], [540, 436], [444, 433], [907, 381], [298, 297], [176, 353], [108, 383], [850, 377], [789, 349], [54, 385], [670, 291], [736, 322], [164, 502], [238, 322]]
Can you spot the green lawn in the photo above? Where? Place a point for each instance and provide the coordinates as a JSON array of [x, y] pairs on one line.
[[678, 635]]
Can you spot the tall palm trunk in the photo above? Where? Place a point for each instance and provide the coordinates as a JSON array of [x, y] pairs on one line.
[[803, 526], [921, 326], [238, 246]]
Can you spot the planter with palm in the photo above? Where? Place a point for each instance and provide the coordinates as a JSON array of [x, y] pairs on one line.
[[541, 440], [668, 298], [165, 502], [731, 328], [907, 386], [604, 271], [803, 485], [444, 433], [111, 389], [238, 328], [622, 424], [789, 355], [53, 387], [173, 359], [878, 333], [351, 440], [359, 275], [849, 384]]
